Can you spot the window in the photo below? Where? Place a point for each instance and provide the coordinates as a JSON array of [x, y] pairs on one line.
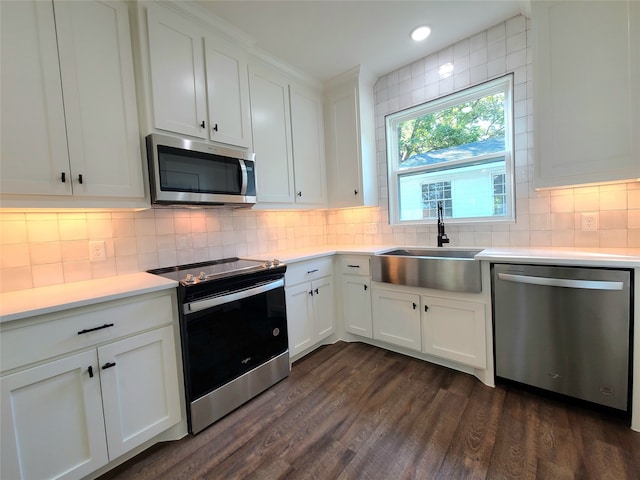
[[456, 149], [499, 194], [435, 192]]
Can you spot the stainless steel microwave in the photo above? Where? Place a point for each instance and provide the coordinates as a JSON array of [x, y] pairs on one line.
[[194, 173]]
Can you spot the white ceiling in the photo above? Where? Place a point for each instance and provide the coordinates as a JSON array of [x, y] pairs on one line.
[[326, 38]]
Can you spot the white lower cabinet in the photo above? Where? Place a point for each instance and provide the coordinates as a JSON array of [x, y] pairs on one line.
[[67, 417], [396, 318], [356, 295], [310, 302], [138, 376], [356, 305], [52, 421], [455, 330]]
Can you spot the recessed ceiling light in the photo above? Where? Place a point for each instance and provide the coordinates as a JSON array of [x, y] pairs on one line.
[[420, 33]]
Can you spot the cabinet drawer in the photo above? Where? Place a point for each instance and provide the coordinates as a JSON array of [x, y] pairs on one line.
[[355, 264], [56, 334], [309, 270]]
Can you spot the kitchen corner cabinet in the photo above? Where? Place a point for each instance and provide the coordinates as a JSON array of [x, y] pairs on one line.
[[288, 138], [80, 389], [350, 142], [587, 91], [454, 329], [310, 303], [356, 295], [199, 84], [69, 117], [396, 318]]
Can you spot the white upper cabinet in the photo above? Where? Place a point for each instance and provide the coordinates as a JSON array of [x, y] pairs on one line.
[[307, 129], [31, 102], [587, 91], [350, 140], [199, 84], [288, 139], [176, 58], [228, 94], [271, 126], [69, 118], [99, 98]]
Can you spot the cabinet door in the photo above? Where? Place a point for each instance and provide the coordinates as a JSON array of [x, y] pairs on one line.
[[307, 130], [139, 388], [228, 95], [271, 127], [343, 148], [587, 91], [96, 64], [396, 318], [356, 305], [52, 422], [177, 73], [34, 139], [455, 330], [299, 317], [323, 308]]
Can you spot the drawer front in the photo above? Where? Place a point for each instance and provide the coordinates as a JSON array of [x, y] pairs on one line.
[[85, 328], [355, 264], [309, 270]]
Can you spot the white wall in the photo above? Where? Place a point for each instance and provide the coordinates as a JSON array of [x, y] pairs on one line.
[[545, 218]]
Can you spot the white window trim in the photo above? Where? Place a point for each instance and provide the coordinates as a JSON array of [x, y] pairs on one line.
[[501, 84]]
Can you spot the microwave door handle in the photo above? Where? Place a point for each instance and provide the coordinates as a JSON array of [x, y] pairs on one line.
[[244, 177]]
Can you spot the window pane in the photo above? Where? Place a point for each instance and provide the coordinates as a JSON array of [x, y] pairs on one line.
[[466, 191], [469, 129]]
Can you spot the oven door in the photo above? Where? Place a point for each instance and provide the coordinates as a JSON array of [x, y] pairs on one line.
[[231, 334]]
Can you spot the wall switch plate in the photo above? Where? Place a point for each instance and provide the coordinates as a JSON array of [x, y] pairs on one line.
[[589, 221], [371, 228], [97, 251]]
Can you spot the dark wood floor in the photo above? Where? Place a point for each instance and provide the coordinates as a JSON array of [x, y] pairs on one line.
[[353, 411]]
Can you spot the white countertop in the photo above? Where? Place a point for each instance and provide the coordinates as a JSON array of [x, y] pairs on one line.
[[597, 257], [42, 300], [55, 298]]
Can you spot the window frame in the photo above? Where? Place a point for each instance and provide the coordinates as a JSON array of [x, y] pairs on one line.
[[501, 84]]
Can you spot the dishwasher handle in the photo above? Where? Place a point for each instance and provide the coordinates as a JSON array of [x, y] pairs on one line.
[[561, 282]]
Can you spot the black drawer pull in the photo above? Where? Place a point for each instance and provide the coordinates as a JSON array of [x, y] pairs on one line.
[[90, 370], [414, 306], [365, 287], [87, 330], [353, 266], [312, 271], [108, 365]]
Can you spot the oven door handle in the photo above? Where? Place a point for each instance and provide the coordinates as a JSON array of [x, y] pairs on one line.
[[231, 296]]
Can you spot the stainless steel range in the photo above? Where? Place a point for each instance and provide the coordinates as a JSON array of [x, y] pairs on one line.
[[233, 325]]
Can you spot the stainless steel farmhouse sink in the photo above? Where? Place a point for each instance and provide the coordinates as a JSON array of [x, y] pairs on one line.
[[439, 268]]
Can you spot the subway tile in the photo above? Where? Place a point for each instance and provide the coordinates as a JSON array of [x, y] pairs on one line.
[[13, 231], [43, 253], [74, 251], [613, 200], [76, 271], [43, 231], [13, 279], [47, 274], [613, 238], [14, 255]]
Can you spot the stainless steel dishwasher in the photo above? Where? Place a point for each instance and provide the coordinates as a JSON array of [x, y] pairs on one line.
[[564, 329]]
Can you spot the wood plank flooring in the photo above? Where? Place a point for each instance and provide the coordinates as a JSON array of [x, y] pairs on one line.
[[354, 411]]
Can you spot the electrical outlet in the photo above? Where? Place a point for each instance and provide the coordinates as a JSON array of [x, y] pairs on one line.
[[590, 221], [97, 251], [371, 228]]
